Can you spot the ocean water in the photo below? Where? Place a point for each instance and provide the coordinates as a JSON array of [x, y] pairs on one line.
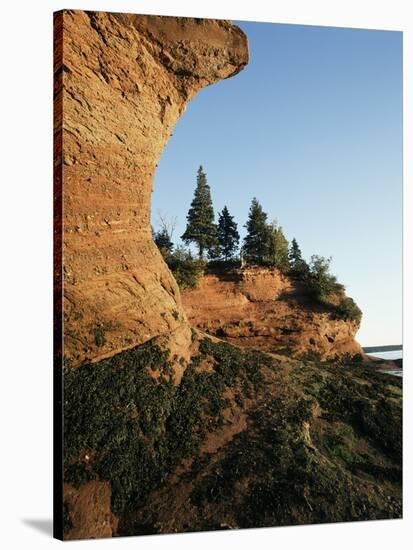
[[390, 355], [398, 354]]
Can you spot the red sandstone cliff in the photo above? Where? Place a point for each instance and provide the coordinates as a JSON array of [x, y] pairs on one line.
[[122, 82], [264, 309]]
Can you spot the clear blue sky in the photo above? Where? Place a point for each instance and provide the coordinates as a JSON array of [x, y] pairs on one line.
[[313, 128]]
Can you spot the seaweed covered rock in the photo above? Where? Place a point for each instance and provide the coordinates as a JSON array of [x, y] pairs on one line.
[[247, 439]]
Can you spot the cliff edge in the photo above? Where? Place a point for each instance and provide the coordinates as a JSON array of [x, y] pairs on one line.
[[264, 309]]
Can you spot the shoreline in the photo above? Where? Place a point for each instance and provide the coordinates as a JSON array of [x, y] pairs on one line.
[[393, 367]]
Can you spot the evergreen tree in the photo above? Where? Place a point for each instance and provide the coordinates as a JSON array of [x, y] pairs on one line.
[[228, 236], [320, 280], [294, 254], [200, 228], [256, 241], [187, 270], [277, 248], [298, 266], [163, 241]]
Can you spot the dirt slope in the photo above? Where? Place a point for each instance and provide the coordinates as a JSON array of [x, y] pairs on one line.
[[246, 439]]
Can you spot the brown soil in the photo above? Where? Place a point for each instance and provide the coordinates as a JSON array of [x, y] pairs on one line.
[[88, 511]]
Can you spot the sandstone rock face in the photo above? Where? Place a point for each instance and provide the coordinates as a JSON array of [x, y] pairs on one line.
[[123, 82], [263, 309]]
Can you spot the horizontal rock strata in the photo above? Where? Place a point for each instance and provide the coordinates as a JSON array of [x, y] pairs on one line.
[[263, 309], [122, 81]]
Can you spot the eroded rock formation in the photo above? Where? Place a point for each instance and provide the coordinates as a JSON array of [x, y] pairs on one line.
[[247, 439], [264, 309], [124, 81]]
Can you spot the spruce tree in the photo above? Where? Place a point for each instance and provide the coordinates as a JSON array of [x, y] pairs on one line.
[[294, 254], [256, 241], [163, 241], [228, 236], [277, 248], [298, 266], [200, 228]]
